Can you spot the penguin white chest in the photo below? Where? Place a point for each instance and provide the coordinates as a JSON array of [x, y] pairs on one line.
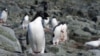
[[60, 34], [46, 22], [54, 22], [25, 22], [36, 36], [4, 16], [57, 35]]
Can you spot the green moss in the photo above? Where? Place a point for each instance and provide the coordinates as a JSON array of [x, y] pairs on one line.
[[6, 34]]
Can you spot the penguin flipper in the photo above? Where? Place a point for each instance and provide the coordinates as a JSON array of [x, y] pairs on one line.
[[27, 39]]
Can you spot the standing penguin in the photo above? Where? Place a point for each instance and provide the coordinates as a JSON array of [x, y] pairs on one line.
[[93, 44], [46, 22], [54, 22], [3, 15], [36, 34], [60, 33], [25, 21]]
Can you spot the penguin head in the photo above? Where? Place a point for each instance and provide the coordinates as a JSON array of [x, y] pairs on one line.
[[26, 14], [53, 17], [5, 9], [26, 17], [59, 24], [62, 22], [44, 15]]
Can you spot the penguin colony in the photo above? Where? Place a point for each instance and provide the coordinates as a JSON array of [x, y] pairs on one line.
[[36, 34], [35, 29]]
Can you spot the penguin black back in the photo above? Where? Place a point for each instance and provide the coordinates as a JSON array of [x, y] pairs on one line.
[[63, 22]]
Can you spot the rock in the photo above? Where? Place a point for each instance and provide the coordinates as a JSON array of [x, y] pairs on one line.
[[96, 52], [98, 17], [7, 53], [62, 52], [52, 49], [92, 12], [79, 24], [91, 30], [57, 50], [67, 49], [98, 23], [69, 18], [98, 32], [8, 40], [45, 54], [80, 32]]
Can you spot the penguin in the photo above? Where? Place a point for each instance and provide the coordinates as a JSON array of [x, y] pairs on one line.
[[54, 22], [36, 34], [25, 21], [60, 33], [46, 22], [93, 44], [3, 15]]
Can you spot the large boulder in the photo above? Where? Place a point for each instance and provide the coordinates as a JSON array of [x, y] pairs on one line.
[[7, 53], [96, 52], [8, 40], [80, 32]]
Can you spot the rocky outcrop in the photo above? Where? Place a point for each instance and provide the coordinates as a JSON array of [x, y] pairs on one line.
[[8, 41]]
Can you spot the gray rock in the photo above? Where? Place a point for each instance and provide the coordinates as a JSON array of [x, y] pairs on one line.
[[91, 30], [7, 44], [98, 32], [96, 52], [80, 32], [75, 24], [98, 18], [57, 50], [45, 54], [8, 39], [7, 53], [62, 52], [69, 18]]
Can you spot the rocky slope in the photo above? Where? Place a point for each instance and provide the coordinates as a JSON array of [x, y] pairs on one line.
[[82, 17]]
